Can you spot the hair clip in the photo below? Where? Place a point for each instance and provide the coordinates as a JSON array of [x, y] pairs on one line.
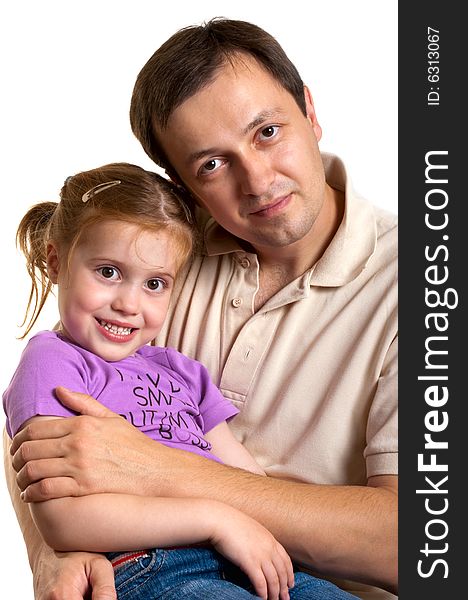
[[98, 188]]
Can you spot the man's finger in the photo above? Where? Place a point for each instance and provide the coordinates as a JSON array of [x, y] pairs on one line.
[[36, 450], [82, 403], [47, 489], [40, 469], [40, 430], [101, 579]]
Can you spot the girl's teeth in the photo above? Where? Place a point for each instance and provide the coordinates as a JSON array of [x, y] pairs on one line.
[[116, 330]]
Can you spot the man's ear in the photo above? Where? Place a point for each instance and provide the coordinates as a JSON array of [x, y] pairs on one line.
[[172, 175], [311, 114], [186, 195], [53, 262]]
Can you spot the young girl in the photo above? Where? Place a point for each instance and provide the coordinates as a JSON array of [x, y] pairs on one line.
[[114, 245]]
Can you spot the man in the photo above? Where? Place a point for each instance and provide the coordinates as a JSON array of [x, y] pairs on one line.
[[292, 307]]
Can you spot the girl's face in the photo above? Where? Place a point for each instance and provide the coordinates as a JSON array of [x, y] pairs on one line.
[[114, 296]]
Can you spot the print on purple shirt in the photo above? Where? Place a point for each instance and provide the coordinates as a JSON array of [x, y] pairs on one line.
[[166, 395]]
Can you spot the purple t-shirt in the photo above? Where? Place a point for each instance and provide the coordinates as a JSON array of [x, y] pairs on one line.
[[167, 395]]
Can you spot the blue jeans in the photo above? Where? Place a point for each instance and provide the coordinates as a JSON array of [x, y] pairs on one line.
[[201, 574]]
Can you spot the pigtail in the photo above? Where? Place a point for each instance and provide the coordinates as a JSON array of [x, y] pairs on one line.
[[31, 238]]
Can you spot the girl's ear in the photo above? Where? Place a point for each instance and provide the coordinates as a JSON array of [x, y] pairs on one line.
[[53, 262]]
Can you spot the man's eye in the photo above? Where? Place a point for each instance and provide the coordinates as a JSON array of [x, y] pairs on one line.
[[269, 132], [211, 165], [155, 285], [108, 272]]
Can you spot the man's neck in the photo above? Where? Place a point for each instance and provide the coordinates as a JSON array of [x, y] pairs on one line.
[[279, 266]]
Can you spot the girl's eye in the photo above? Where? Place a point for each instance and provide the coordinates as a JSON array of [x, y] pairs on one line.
[[269, 132], [155, 285], [108, 272], [211, 165]]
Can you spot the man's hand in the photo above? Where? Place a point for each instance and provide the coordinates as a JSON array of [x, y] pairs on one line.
[[95, 453], [74, 576]]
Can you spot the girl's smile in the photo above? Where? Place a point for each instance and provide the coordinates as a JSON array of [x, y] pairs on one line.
[[115, 289]]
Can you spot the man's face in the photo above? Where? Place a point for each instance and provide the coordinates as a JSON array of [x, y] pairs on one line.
[[248, 154]]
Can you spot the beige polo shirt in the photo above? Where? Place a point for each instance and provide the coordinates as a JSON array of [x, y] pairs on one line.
[[314, 371]]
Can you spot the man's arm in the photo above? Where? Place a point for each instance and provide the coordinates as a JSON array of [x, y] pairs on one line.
[[344, 531], [89, 523], [57, 575]]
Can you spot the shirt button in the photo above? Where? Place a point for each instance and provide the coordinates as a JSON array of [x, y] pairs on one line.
[[245, 263], [236, 302]]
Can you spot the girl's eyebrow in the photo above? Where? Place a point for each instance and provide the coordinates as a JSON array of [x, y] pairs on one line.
[[155, 269]]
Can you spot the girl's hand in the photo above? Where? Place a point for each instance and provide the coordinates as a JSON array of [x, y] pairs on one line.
[[253, 549]]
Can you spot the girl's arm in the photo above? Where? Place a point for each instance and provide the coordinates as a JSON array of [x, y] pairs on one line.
[[120, 522], [227, 448], [114, 522], [117, 522]]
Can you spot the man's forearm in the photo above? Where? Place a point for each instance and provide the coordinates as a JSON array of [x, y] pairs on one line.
[[54, 575], [34, 543], [343, 531], [346, 531]]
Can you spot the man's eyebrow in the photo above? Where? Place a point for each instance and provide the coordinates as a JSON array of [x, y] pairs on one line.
[[263, 116], [201, 154]]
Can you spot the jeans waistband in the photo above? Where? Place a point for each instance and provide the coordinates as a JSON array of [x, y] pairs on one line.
[[118, 559]]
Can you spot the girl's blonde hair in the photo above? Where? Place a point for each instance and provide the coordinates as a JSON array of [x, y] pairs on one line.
[[136, 196]]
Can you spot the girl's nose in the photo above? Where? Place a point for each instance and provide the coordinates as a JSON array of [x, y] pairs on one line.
[[127, 300]]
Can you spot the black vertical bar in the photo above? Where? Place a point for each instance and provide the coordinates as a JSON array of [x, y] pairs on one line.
[[433, 329]]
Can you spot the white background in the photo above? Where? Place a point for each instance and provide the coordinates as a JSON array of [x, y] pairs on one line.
[[67, 73]]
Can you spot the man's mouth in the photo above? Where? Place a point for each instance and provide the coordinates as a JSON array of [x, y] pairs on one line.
[[273, 207]]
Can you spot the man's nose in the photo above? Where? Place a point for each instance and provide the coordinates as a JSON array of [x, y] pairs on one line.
[[255, 173]]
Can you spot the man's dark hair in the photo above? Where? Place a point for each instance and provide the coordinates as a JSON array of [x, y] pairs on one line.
[[188, 61]]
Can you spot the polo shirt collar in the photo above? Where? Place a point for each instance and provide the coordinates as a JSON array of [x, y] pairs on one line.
[[348, 252]]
